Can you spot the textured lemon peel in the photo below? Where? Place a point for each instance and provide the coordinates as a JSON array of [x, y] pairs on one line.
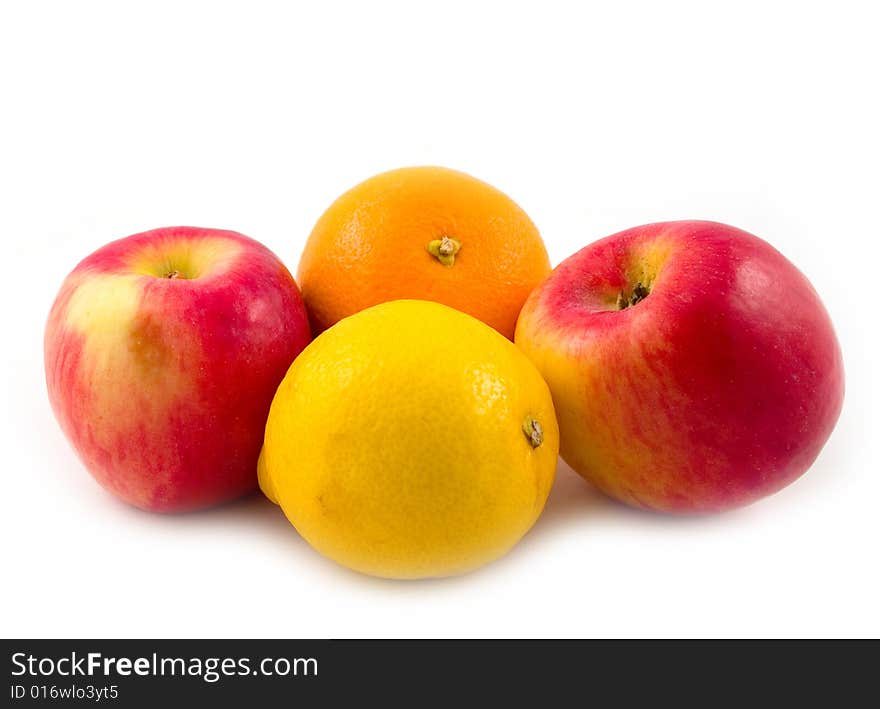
[[264, 479]]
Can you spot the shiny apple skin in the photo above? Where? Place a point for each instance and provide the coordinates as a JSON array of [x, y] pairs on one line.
[[163, 351], [717, 388]]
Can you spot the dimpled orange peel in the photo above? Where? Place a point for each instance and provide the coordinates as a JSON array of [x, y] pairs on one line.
[[423, 232]]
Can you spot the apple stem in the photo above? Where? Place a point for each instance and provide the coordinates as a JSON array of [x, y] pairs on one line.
[[172, 274], [534, 431], [444, 249]]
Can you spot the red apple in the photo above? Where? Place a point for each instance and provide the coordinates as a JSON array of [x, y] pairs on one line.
[[163, 351], [693, 368]]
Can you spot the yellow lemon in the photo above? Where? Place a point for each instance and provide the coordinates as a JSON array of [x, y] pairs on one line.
[[411, 440]]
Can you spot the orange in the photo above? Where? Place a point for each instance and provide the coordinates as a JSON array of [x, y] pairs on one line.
[[426, 233]]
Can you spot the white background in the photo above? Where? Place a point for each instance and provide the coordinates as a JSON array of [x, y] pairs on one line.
[[119, 117]]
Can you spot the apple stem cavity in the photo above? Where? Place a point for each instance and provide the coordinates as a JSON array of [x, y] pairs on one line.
[[444, 249], [626, 300], [534, 431]]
